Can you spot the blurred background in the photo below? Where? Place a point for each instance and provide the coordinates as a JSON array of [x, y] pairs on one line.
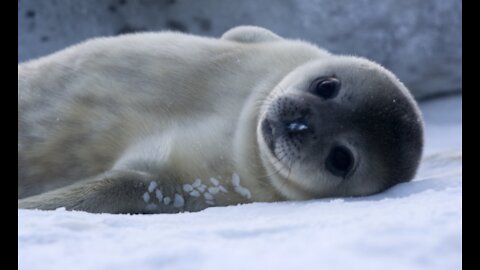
[[420, 41]]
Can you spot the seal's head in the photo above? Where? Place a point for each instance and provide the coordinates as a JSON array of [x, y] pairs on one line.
[[342, 126]]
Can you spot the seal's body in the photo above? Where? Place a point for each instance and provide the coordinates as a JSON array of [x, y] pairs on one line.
[[169, 122]]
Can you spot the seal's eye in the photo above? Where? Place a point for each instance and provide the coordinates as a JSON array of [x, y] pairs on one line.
[[339, 161], [326, 87]]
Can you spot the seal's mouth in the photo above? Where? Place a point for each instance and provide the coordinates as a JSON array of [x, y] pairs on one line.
[[267, 131]]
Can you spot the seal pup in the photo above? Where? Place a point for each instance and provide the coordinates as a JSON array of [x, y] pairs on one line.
[[169, 122]]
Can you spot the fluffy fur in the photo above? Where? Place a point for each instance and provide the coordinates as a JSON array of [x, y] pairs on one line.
[[168, 122]]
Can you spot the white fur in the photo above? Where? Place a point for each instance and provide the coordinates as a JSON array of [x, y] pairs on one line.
[[175, 107]]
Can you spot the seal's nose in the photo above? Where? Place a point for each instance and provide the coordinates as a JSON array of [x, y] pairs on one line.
[[296, 126], [274, 129]]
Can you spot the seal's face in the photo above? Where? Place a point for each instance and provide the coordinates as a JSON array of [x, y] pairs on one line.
[[342, 127]]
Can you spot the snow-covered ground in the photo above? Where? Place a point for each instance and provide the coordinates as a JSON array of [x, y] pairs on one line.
[[415, 225]]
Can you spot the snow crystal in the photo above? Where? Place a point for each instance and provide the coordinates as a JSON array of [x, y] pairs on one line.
[[151, 207], [213, 190], [146, 197], [187, 187], [166, 200], [235, 180], [195, 193], [238, 188], [159, 195], [208, 196], [152, 186], [214, 181], [197, 183], [222, 189], [202, 188], [178, 201], [245, 192]]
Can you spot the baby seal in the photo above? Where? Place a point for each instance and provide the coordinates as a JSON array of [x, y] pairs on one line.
[[169, 122]]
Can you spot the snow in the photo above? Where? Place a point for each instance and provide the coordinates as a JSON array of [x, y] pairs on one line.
[[214, 181], [146, 197], [415, 225], [152, 186], [197, 183], [178, 201], [166, 200], [158, 194], [238, 188], [187, 188], [213, 190], [194, 193]]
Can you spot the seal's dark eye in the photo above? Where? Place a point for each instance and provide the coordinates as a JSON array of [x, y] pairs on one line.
[[339, 161], [326, 87]]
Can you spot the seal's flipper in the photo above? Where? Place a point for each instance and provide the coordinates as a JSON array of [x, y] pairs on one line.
[[116, 192]]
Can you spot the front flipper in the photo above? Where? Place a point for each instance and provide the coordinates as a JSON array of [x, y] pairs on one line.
[[118, 191], [250, 34]]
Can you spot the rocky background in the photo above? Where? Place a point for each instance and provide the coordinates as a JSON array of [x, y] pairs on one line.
[[420, 41]]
